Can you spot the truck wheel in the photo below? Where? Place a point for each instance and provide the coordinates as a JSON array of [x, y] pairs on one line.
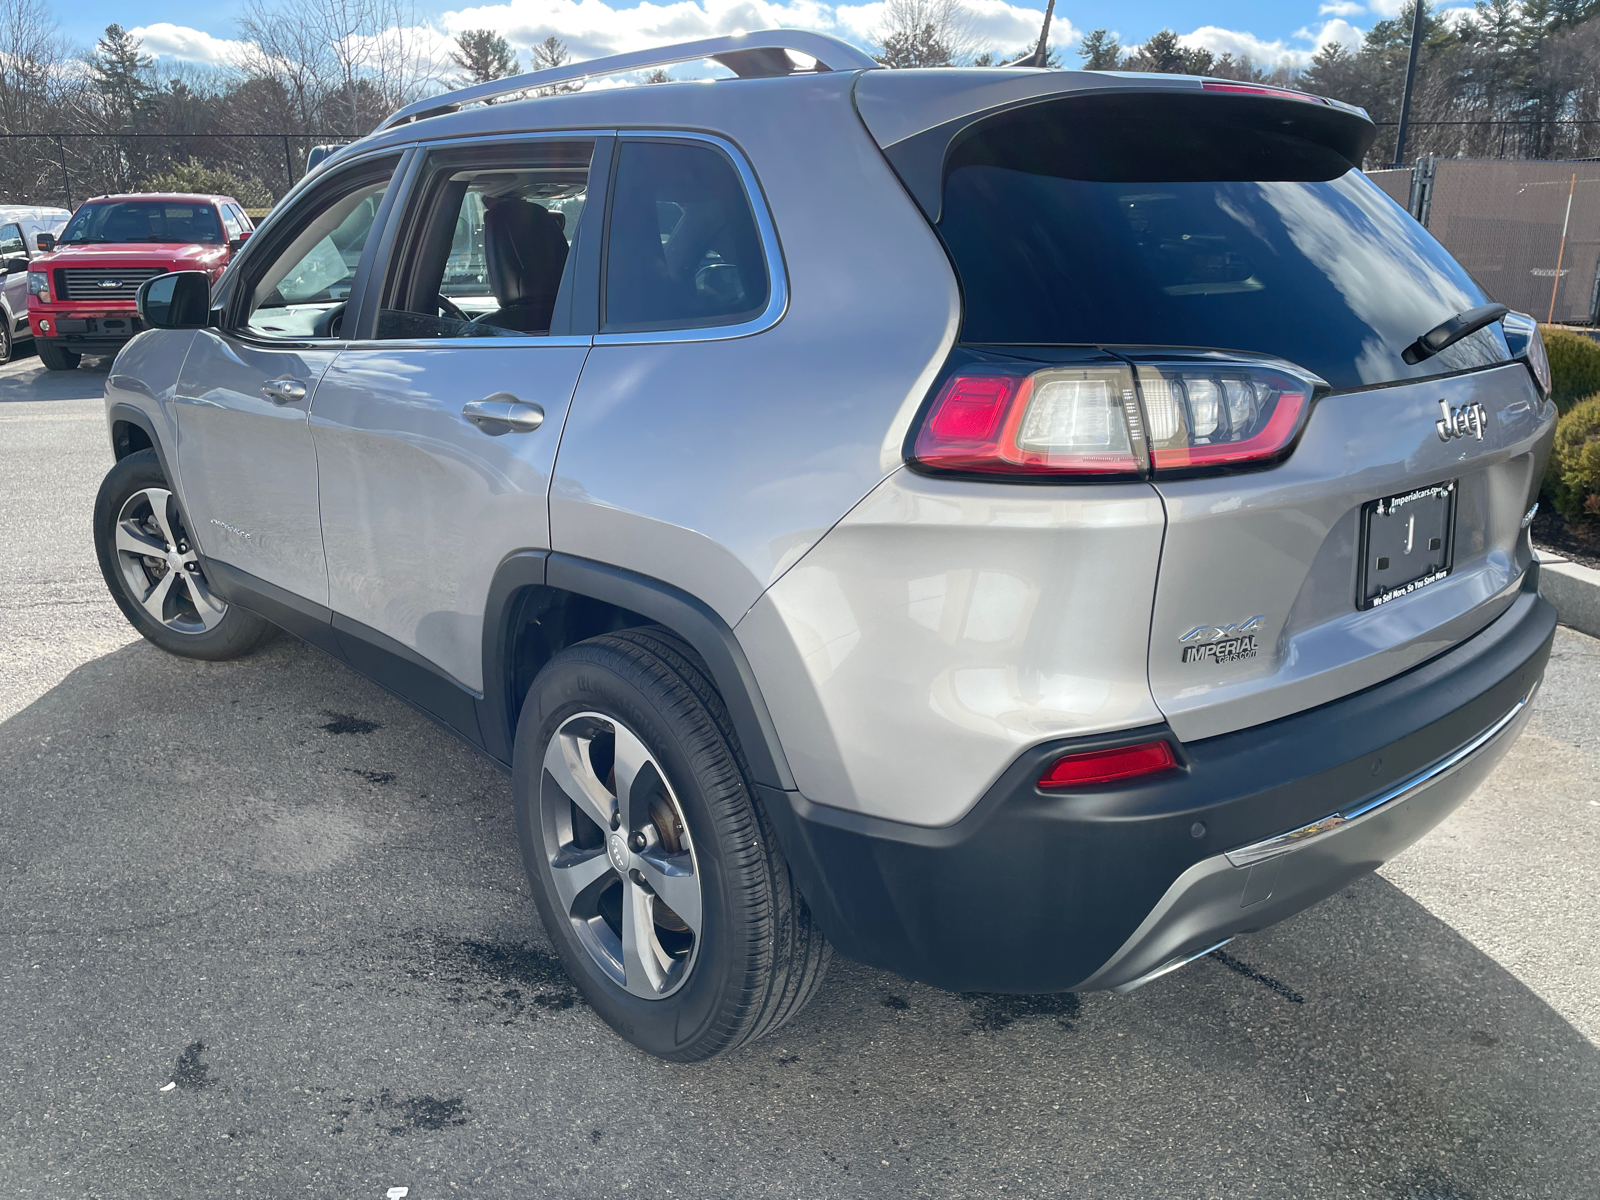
[[653, 866], [152, 568], [56, 357], [7, 346]]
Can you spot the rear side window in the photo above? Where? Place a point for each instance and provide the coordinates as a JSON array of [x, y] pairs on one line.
[[1195, 221], [682, 248], [11, 243]]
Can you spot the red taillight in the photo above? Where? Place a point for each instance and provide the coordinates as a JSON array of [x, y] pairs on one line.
[[1061, 421], [1255, 89], [1204, 412], [1109, 766]]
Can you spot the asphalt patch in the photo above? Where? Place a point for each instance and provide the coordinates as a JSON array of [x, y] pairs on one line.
[[190, 1072], [381, 778], [400, 1115], [345, 723], [989, 1013]]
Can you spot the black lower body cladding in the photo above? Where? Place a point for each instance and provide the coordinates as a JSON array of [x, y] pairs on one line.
[[1037, 892]]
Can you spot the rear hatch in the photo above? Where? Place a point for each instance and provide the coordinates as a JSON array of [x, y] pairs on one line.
[[1208, 238]]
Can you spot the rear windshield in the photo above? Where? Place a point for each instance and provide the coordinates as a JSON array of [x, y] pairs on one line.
[[143, 221], [1100, 221]]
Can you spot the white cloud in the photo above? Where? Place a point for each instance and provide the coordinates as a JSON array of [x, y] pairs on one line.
[[1341, 8], [1346, 34], [593, 28], [191, 45]]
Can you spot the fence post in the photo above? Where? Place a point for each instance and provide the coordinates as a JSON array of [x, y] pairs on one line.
[[1411, 75], [288, 161], [66, 180]]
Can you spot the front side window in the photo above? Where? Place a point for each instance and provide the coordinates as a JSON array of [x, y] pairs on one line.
[[11, 243], [172, 221], [302, 292], [487, 243], [682, 248], [231, 222]]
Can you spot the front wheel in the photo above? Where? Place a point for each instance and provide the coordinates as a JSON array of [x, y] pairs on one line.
[[152, 566], [653, 866], [56, 357]]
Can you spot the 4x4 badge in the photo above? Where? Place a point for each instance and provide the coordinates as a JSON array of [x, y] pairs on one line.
[[1459, 422], [1222, 643]]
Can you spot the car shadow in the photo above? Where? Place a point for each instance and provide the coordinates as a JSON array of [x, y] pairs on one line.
[[262, 919], [25, 379]]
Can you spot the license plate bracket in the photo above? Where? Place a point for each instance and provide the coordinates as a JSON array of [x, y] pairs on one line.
[[1407, 543]]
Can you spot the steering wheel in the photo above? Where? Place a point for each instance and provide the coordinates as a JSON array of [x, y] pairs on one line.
[[451, 308], [330, 323]]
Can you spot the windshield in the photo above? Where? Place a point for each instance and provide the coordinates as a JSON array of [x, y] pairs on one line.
[[1252, 248], [144, 221]]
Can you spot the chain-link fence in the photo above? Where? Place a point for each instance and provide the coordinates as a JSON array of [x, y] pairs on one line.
[[64, 169], [1529, 232]]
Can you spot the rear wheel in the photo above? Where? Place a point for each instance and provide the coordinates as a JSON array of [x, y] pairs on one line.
[[152, 567], [652, 864], [55, 356], [7, 345]]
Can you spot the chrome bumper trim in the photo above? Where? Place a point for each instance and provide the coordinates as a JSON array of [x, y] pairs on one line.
[[1283, 843]]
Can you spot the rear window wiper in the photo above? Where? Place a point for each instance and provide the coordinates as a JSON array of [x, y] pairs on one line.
[[1448, 333]]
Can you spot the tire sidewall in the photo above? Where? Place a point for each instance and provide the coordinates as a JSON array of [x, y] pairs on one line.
[[580, 680], [235, 634]]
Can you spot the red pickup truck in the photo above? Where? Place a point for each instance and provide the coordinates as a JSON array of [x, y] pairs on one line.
[[81, 295]]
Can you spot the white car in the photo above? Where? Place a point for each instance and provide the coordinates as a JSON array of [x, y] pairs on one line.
[[20, 227]]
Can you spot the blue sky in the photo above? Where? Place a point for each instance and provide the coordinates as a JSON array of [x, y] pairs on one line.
[[1282, 30]]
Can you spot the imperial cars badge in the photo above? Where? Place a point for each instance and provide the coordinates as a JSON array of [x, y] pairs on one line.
[[1222, 643]]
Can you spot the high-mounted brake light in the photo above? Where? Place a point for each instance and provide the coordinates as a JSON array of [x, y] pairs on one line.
[[1092, 767], [1256, 89], [1089, 421]]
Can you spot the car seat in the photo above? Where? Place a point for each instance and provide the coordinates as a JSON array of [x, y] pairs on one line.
[[525, 252]]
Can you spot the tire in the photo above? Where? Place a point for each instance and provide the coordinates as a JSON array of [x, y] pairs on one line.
[[7, 345], [696, 985], [56, 357], [135, 512]]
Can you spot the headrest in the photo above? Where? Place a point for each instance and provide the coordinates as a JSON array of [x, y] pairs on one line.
[[525, 251]]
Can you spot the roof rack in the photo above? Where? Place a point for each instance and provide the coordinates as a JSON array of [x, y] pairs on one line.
[[747, 55]]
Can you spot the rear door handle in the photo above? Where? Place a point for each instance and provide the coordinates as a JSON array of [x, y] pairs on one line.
[[503, 413], [283, 391]]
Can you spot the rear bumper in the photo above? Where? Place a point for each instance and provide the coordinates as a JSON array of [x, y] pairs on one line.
[[1038, 892]]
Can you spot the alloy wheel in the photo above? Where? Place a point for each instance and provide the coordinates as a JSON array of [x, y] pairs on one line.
[[161, 566], [620, 855]]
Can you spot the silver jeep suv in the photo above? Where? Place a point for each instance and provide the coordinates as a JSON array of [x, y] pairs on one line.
[[1017, 528]]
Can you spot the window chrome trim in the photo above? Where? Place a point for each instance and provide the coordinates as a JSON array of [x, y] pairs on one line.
[[468, 343], [1283, 843], [777, 276]]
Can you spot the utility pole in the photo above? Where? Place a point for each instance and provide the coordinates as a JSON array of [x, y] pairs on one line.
[[1411, 78]]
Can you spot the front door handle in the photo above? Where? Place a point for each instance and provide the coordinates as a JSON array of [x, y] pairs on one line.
[[503, 413], [283, 391]]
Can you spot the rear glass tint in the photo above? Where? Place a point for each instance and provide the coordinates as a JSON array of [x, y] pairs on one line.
[[1141, 221]]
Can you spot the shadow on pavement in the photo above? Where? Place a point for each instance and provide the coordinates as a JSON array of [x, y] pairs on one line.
[[25, 378], [267, 932]]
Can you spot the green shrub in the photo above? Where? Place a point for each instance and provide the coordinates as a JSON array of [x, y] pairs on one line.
[[195, 176], [1574, 365], [1573, 478]]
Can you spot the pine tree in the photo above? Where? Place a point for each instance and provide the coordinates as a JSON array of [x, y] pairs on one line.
[[917, 47], [1161, 53], [553, 52], [121, 73], [1100, 51], [483, 56]]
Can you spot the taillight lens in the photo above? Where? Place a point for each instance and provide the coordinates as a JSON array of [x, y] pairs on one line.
[[39, 285], [1527, 343], [1098, 421], [1218, 416], [1092, 767], [1061, 421]]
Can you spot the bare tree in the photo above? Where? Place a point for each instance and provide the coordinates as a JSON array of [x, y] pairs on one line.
[[925, 33]]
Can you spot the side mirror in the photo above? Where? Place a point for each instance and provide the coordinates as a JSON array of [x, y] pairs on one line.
[[46, 242], [237, 244], [13, 265], [181, 300]]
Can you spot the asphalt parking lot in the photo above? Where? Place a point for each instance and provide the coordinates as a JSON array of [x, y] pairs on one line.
[[266, 934]]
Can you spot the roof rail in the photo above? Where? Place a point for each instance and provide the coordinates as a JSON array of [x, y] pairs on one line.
[[747, 55]]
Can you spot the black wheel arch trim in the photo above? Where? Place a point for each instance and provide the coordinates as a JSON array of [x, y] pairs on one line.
[[118, 418], [662, 603]]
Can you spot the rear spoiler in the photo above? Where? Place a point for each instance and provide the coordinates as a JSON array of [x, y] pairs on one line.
[[919, 117]]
